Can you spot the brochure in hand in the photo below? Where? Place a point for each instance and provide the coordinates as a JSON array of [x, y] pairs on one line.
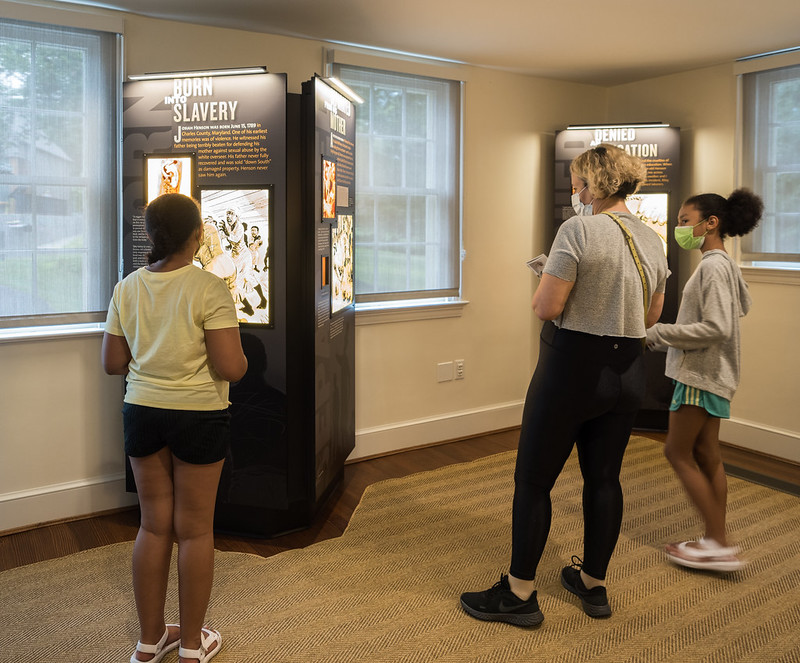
[[537, 263]]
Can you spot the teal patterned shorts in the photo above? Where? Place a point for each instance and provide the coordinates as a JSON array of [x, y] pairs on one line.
[[715, 405]]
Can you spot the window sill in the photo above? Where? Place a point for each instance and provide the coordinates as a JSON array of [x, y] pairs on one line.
[[366, 314], [771, 275], [376, 313], [50, 332]]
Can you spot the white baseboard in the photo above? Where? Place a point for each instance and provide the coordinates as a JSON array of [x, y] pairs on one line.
[[420, 432], [27, 508], [74, 499], [759, 437]]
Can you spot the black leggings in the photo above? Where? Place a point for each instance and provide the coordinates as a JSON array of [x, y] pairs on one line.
[[587, 390]]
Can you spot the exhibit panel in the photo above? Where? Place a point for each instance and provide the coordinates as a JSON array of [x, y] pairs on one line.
[[235, 143], [329, 198], [656, 204]]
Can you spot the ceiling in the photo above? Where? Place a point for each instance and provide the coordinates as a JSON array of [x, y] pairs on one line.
[[608, 43]]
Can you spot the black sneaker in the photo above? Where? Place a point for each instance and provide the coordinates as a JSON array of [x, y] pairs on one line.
[[595, 600], [500, 604]]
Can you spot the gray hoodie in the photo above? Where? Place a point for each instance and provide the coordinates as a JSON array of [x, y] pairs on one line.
[[704, 344]]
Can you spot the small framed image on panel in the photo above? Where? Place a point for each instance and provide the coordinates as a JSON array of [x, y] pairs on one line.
[[169, 173], [328, 189]]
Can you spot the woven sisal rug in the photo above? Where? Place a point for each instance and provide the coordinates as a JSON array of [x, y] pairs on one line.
[[388, 589]]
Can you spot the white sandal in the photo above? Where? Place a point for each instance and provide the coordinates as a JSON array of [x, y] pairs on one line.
[[706, 555], [203, 654], [160, 649]]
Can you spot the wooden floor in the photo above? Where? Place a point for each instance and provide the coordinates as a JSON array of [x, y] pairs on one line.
[[57, 540], [61, 539]]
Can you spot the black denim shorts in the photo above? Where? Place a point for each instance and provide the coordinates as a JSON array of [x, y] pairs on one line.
[[194, 436]]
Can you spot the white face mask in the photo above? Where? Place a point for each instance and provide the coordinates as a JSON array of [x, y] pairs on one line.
[[581, 209]]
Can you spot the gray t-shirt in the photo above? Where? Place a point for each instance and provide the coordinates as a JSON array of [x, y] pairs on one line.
[[606, 299]]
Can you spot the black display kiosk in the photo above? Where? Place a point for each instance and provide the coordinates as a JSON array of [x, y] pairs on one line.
[[256, 157], [656, 203]]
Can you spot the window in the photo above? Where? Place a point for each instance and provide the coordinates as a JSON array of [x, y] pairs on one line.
[[408, 235], [58, 173], [771, 164]]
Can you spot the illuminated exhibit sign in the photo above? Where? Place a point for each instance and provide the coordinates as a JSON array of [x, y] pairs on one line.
[[221, 140], [657, 145], [627, 139], [334, 204]]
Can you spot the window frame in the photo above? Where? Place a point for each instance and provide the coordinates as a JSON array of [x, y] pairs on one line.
[[101, 275], [759, 266], [415, 304]]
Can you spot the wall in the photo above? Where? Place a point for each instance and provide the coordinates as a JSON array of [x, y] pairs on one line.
[[507, 202], [61, 432], [764, 413], [61, 422], [61, 427]]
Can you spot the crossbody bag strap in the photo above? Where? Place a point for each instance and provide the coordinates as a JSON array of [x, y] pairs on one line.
[[629, 238]]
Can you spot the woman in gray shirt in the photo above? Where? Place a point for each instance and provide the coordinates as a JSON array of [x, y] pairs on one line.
[[588, 383], [703, 358]]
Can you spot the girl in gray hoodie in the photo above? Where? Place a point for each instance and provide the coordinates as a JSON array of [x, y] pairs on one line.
[[703, 357]]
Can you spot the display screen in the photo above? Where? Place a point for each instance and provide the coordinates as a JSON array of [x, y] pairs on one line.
[[236, 247], [328, 189], [168, 173], [342, 263], [652, 208]]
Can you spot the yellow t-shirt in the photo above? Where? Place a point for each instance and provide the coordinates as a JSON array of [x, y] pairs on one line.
[[162, 316]]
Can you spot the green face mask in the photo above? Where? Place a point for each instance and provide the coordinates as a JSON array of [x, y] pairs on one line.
[[684, 235]]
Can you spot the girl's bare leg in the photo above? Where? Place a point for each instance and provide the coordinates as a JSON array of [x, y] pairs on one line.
[[692, 448], [195, 497], [153, 548]]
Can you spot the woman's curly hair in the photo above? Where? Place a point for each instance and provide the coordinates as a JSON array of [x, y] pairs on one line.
[[609, 171]]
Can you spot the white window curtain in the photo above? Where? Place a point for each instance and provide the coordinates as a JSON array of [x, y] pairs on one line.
[[58, 173], [408, 163], [771, 164]]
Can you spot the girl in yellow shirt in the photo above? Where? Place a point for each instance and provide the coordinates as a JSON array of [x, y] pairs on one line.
[[172, 331]]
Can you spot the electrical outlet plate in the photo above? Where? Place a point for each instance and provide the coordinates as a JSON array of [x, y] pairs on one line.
[[459, 369]]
